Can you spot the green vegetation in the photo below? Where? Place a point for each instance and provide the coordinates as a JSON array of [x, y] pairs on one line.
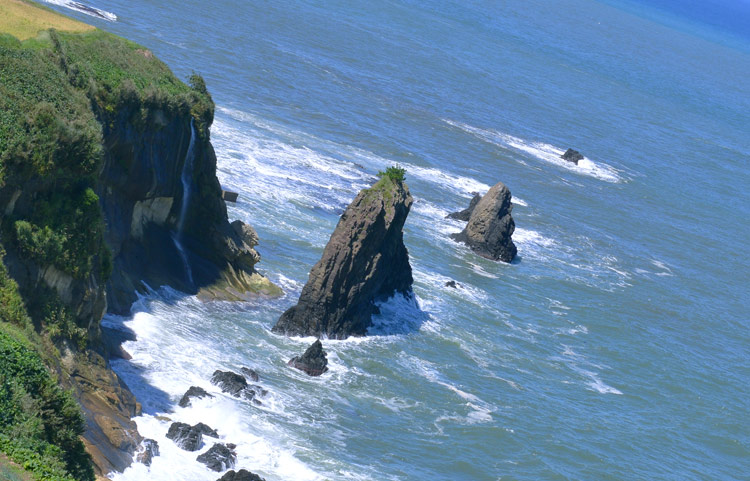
[[40, 423], [60, 94], [396, 173]]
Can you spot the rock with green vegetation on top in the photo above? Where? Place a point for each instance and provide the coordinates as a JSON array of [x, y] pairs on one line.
[[364, 262]]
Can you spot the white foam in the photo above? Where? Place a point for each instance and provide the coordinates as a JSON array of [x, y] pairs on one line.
[[542, 151], [85, 9]]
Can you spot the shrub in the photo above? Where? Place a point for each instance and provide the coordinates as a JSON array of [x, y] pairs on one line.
[[395, 173]]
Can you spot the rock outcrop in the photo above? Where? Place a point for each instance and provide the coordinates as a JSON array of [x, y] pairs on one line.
[[241, 475], [314, 361], [185, 436], [365, 261], [193, 392], [220, 457], [572, 156], [148, 450], [465, 214], [491, 226]]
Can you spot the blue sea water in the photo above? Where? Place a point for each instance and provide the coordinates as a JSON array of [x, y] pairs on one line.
[[615, 347]]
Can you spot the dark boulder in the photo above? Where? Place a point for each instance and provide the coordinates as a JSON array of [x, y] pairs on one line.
[[148, 449], [193, 392], [219, 458], [206, 430], [241, 475], [452, 284], [465, 214], [185, 436], [491, 225], [251, 374], [365, 261], [572, 156], [314, 361], [229, 382]]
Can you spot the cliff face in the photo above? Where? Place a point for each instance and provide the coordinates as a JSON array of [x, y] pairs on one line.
[[365, 261], [108, 184], [166, 221]]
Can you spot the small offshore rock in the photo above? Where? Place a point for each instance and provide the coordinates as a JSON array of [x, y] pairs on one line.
[[572, 156], [452, 284], [147, 451], [229, 382], [491, 226], [193, 392], [185, 436], [465, 214], [314, 361], [251, 374], [219, 457], [241, 475]]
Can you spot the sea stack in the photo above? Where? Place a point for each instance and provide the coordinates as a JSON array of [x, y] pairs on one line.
[[465, 214], [491, 225], [365, 261]]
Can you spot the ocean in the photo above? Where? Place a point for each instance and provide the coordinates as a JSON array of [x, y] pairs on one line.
[[616, 347]]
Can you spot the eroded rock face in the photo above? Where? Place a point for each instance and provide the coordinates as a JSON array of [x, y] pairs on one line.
[[465, 214], [365, 261], [314, 361], [572, 156], [241, 475], [193, 392], [491, 226], [219, 458]]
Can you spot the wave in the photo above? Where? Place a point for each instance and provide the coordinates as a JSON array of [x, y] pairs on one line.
[[541, 151], [85, 9]]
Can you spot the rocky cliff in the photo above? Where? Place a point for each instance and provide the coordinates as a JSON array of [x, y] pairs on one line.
[[365, 261], [108, 184]]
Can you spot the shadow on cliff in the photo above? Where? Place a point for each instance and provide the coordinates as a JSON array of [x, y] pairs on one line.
[[399, 315]]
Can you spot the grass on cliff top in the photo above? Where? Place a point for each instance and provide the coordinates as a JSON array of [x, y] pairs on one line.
[[25, 20]]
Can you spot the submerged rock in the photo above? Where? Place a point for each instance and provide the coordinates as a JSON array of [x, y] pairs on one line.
[[241, 475], [185, 436], [365, 261], [314, 361], [251, 374], [147, 451], [572, 156], [219, 457], [193, 392], [465, 214], [491, 225]]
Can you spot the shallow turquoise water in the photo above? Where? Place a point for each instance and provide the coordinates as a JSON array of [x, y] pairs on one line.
[[616, 347]]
